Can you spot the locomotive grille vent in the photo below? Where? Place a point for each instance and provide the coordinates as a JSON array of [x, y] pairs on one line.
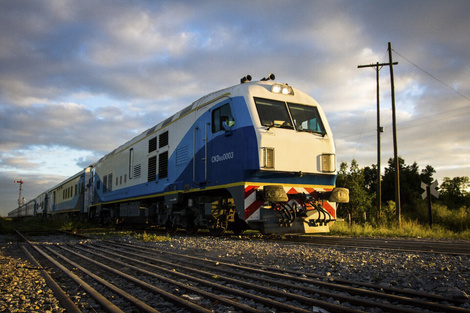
[[182, 155], [152, 144], [137, 169], [163, 140], [110, 182], [163, 165], [152, 172]]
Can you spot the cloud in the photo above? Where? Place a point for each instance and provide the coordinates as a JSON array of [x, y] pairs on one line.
[[78, 79]]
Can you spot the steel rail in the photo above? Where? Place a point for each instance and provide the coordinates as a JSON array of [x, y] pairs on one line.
[[434, 247], [326, 294], [306, 300], [189, 305], [64, 300], [351, 290], [363, 292], [409, 293], [136, 302], [105, 303], [226, 289]]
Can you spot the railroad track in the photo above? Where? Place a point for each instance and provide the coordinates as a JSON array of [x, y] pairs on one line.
[[451, 247], [416, 245], [113, 276]]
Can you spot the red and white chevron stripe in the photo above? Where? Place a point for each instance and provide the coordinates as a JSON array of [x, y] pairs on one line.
[[252, 205]]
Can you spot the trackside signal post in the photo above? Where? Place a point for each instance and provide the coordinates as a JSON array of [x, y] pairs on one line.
[[429, 190], [21, 185]]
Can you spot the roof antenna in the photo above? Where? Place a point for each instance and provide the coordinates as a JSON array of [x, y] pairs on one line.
[[270, 77], [245, 79]]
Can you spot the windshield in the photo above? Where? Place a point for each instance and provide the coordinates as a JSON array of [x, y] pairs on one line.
[[273, 113], [306, 118]]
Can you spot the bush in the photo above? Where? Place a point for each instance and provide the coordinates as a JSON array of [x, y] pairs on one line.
[[410, 228], [456, 220]]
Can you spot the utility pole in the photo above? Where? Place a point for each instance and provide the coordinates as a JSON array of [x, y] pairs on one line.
[[395, 144], [21, 185], [378, 66]]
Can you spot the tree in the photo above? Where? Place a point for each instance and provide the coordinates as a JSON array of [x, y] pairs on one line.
[[370, 178], [426, 174], [454, 191], [410, 183], [359, 205]]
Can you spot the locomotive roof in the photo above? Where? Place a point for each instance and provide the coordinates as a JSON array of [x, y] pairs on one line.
[[239, 89], [207, 98]]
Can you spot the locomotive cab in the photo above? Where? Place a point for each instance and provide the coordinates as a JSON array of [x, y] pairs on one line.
[[293, 191]]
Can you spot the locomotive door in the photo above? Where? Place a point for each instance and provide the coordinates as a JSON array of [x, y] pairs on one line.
[[213, 144], [200, 153]]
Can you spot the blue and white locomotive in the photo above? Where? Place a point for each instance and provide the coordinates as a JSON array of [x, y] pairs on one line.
[[258, 155]]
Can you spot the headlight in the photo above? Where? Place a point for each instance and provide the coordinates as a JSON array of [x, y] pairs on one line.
[[328, 163], [283, 89], [267, 157], [276, 88]]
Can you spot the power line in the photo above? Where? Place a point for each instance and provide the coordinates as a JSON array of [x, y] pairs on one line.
[[415, 122], [434, 77]]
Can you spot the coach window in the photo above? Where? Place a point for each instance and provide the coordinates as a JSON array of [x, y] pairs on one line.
[[222, 118]]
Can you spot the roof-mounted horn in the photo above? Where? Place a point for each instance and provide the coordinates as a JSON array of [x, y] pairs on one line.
[[270, 77], [245, 79]]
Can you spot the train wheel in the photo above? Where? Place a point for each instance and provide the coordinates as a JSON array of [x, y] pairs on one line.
[[237, 231], [171, 228], [237, 227], [192, 230], [216, 232]]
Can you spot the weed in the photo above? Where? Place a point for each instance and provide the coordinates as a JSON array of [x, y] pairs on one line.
[[409, 229], [150, 237]]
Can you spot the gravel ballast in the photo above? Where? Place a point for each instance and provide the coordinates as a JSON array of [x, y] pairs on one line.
[[23, 289]]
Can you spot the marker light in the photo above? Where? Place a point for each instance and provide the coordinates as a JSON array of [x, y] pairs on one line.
[[283, 89]]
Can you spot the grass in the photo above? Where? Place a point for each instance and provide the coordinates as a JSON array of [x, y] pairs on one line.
[[107, 233], [151, 237], [8, 226], [31, 224], [409, 229]]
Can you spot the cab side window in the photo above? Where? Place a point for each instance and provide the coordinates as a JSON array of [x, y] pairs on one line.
[[222, 118]]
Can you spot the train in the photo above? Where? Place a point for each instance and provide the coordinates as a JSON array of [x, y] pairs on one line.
[[258, 155]]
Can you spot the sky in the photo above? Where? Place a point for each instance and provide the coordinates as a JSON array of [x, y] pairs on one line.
[[80, 78]]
